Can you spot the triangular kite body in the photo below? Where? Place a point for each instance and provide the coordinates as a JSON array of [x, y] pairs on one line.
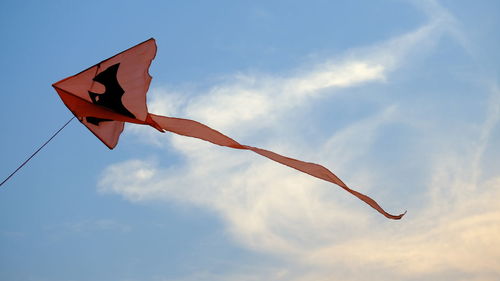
[[119, 84], [113, 91]]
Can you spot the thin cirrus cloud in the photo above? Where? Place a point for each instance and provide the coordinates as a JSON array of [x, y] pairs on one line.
[[322, 232], [456, 230]]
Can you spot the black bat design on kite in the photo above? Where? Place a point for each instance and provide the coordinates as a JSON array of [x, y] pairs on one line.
[[112, 96]]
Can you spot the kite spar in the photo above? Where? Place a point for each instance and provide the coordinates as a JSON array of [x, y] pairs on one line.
[[112, 92]]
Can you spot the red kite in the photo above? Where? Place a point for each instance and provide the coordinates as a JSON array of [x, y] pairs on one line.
[[113, 91]]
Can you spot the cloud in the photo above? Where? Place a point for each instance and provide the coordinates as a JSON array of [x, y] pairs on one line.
[[452, 236], [248, 191], [316, 229]]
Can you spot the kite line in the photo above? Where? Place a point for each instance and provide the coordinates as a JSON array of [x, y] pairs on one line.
[[34, 153]]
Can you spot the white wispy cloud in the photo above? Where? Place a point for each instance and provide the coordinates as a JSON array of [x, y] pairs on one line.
[[318, 230]]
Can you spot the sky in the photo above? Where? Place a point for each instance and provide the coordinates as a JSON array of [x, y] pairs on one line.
[[399, 98]]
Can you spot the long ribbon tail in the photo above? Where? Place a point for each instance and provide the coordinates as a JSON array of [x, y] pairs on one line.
[[195, 129]]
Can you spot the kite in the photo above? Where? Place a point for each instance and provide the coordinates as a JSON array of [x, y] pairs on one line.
[[105, 96]]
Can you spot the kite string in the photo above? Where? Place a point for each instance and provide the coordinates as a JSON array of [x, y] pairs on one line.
[[34, 153]]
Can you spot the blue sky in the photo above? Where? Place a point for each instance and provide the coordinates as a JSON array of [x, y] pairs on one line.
[[400, 99]]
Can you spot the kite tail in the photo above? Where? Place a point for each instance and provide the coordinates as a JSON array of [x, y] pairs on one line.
[[195, 129]]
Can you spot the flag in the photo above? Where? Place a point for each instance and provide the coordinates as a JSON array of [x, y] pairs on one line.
[[112, 92]]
